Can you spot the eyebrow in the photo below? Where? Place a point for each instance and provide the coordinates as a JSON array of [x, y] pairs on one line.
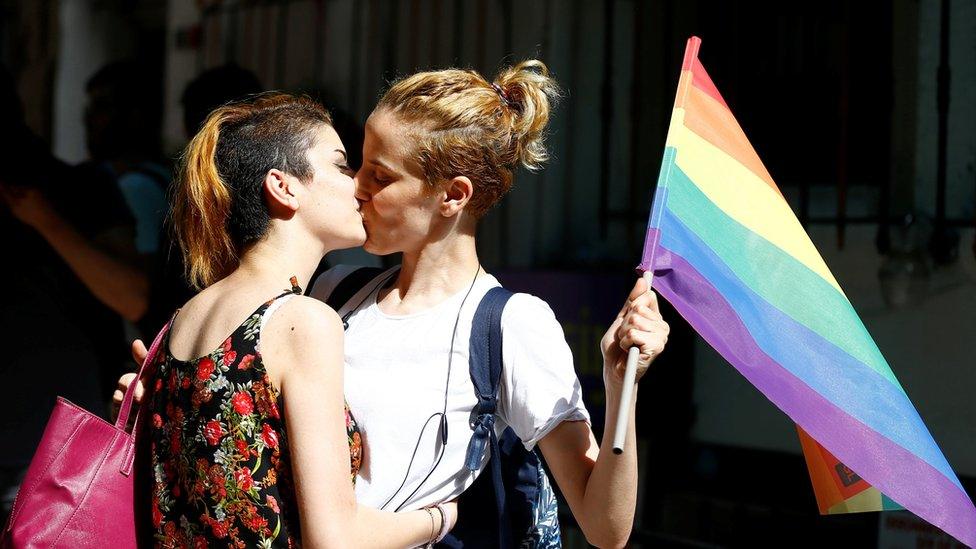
[[382, 165]]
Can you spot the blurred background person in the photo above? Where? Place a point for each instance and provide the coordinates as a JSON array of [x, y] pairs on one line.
[[211, 89], [60, 224]]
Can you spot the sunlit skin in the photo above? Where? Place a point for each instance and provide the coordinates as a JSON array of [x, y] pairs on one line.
[[402, 212], [329, 201]]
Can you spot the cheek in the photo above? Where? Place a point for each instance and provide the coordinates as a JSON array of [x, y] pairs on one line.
[[389, 206]]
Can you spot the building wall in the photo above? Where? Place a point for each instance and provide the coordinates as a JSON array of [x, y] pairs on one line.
[[584, 213], [90, 37]]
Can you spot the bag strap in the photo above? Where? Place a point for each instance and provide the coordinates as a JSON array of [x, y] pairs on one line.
[[485, 366], [348, 287], [130, 391]]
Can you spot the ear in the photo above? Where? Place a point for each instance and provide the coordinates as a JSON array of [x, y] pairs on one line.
[[279, 190], [457, 192]]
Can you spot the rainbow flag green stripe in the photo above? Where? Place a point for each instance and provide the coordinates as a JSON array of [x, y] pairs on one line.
[[776, 276], [727, 251]]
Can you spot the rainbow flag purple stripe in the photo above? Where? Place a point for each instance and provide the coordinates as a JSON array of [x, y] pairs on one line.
[[727, 251]]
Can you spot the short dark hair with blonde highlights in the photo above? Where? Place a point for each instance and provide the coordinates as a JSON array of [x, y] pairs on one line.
[[468, 126], [218, 197]]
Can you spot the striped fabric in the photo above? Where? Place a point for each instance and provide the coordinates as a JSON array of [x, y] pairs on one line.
[[727, 251]]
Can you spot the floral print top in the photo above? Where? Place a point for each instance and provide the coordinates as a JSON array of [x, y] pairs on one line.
[[219, 448]]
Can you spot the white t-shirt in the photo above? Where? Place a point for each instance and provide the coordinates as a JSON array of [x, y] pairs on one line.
[[397, 370]]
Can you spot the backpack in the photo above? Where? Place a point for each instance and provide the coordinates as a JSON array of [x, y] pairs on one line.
[[514, 505]]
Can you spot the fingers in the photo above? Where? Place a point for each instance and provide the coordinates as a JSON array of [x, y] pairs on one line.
[[139, 351], [123, 385], [650, 343], [643, 327], [125, 381]]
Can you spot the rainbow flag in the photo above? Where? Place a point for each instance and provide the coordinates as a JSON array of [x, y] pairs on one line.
[[727, 251]]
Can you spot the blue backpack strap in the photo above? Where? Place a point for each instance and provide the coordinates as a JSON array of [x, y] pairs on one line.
[[485, 365]]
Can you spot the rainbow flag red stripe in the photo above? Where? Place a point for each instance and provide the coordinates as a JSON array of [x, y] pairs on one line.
[[727, 251]]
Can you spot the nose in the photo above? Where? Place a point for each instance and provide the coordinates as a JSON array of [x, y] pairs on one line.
[[359, 181]]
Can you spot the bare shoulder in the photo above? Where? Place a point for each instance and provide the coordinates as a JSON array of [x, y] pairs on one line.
[[307, 316], [302, 332], [304, 318]]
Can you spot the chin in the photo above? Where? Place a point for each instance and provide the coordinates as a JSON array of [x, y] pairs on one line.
[[374, 248]]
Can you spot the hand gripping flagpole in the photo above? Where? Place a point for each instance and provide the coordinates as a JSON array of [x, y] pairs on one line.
[[627, 393], [647, 267], [650, 243]]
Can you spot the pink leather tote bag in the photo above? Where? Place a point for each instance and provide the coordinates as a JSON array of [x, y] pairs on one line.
[[79, 488]]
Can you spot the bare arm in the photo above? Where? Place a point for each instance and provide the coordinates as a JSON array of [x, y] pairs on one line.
[[600, 486], [303, 343], [111, 276]]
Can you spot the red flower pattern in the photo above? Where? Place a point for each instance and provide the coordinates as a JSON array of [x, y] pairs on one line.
[[213, 432], [205, 368], [269, 435], [243, 404], [246, 362], [244, 480], [207, 415]]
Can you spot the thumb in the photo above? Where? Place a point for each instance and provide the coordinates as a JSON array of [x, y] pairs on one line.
[[139, 351], [638, 290]]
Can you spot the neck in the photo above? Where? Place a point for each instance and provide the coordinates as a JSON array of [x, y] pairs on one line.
[[438, 270], [275, 259]]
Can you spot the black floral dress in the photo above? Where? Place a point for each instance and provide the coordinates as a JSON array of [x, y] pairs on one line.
[[219, 449]]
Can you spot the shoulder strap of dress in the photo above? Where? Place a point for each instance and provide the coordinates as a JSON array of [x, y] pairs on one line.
[[280, 300]]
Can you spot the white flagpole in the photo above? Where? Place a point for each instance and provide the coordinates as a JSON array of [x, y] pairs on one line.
[[627, 393]]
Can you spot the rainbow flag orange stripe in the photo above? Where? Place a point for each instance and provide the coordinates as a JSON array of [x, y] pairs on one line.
[[727, 251]]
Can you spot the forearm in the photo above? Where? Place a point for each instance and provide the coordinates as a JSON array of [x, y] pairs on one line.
[[368, 528], [118, 284], [375, 528], [610, 498]]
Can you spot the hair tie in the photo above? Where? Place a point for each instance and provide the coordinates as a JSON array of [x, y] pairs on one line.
[[502, 94]]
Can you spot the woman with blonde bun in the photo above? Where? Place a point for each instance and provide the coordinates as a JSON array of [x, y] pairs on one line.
[[441, 149]]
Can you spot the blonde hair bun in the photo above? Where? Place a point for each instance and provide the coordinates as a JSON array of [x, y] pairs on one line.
[[531, 93]]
